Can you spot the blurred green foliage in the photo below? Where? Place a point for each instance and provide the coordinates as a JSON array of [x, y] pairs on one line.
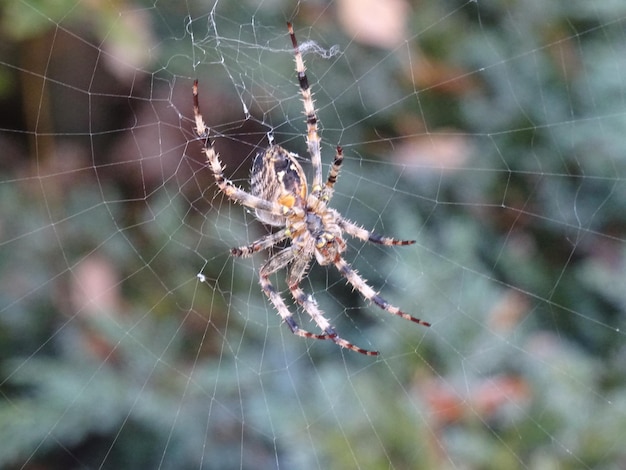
[[519, 262]]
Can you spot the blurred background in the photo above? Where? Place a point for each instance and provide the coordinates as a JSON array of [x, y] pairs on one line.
[[491, 132]]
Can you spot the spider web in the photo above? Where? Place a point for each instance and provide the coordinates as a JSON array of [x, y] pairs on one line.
[[487, 131]]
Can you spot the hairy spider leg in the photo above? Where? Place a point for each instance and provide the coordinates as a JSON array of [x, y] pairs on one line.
[[275, 263], [356, 231], [225, 185], [309, 304], [333, 174], [261, 244], [370, 294], [313, 139]]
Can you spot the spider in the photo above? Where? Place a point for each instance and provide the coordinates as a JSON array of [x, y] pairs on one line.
[[280, 197]]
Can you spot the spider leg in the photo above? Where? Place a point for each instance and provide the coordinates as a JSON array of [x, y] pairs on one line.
[[333, 173], [272, 265], [308, 303], [260, 244], [225, 185], [365, 235], [313, 139], [366, 291]]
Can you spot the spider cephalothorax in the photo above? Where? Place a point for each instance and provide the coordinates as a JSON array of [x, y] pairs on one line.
[[280, 197]]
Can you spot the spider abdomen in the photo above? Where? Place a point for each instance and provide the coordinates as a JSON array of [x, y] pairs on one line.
[[278, 177]]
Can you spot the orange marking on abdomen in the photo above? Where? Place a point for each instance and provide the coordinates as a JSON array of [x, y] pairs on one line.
[[287, 200]]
